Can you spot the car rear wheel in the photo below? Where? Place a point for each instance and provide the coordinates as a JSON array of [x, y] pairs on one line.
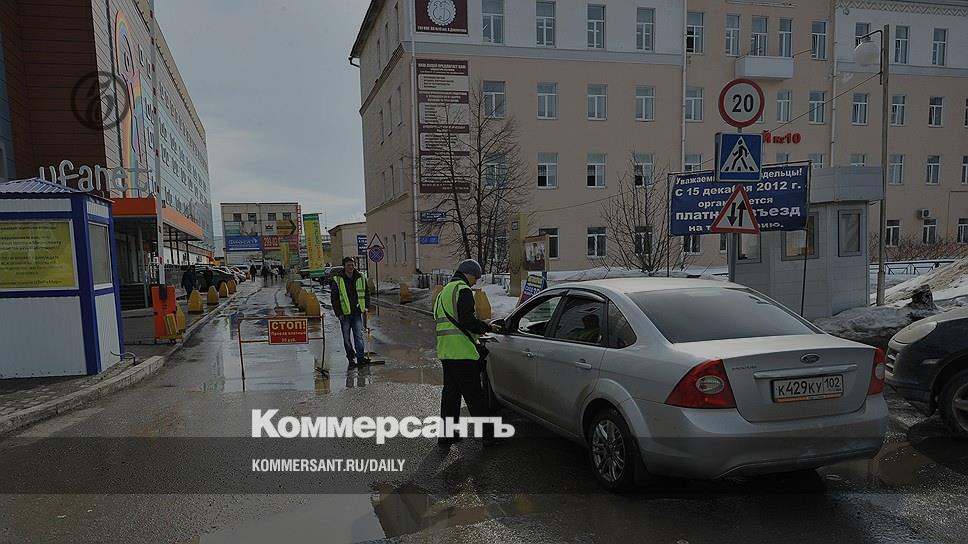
[[954, 404], [612, 450]]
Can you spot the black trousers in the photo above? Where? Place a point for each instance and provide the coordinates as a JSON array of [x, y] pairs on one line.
[[462, 378]]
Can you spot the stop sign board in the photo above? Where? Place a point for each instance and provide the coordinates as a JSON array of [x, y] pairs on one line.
[[288, 330], [741, 102]]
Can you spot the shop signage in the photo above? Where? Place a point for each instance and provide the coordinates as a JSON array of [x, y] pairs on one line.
[[442, 16], [36, 255], [97, 178], [361, 244], [788, 138], [243, 243]]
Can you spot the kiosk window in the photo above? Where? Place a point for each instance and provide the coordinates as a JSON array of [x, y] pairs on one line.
[[100, 254]]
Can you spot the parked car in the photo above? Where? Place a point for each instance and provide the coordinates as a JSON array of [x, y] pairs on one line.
[[927, 363], [686, 377], [240, 272], [220, 275]]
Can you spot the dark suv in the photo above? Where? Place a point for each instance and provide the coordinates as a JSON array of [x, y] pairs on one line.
[[927, 363]]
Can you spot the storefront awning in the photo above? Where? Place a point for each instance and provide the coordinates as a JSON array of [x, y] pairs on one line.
[[144, 208]]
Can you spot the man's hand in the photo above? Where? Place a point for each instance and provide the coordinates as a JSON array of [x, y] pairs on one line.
[[496, 328]]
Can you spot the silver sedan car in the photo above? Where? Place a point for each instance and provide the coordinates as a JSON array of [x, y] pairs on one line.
[[686, 377]]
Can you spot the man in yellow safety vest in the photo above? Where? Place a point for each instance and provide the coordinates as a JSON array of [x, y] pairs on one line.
[[457, 340], [350, 299]]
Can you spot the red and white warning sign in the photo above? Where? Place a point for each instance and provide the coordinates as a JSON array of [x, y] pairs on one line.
[[737, 215], [288, 330]]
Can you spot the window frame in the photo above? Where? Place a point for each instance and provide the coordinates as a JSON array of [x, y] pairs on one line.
[[542, 28], [647, 102], [600, 102], [732, 35], [932, 228], [840, 232], [933, 167], [897, 166], [496, 20], [595, 28], [902, 45], [961, 231], [549, 98], [814, 108], [548, 176], [892, 232], [691, 101], [858, 108], [603, 164], [759, 40], [939, 48], [604, 242], [645, 29], [935, 110], [785, 38], [514, 322], [784, 105], [490, 100], [898, 113], [586, 296], [818, 40], [695, 32], [554, 241], [784, 256], [646, 163]]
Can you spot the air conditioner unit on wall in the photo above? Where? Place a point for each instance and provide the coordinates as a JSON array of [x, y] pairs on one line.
[[924, 213]]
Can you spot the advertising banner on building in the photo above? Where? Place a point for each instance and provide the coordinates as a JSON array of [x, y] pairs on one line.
[[241, 228], [442, 16], [275, 241], [779, 200], [284, 249], [535, 253], [314, 243], [361, 245], [443, 126], [37, 255], [269, 228], [243, 243]]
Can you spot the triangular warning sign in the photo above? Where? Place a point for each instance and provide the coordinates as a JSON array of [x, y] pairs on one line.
[[737, 215], [740, 159]]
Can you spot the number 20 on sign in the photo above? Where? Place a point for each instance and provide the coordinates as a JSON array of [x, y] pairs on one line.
[[741, 102], [288, 331]]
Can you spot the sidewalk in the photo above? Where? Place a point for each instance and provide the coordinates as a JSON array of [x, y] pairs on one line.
[[29, 400]]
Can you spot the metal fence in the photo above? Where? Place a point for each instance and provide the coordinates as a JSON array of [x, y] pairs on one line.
[[912, 268]]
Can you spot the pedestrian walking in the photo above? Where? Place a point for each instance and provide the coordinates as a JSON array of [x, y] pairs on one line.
[[188, 280], [265, 274], [459, 348], [350, 299], [253, 272]]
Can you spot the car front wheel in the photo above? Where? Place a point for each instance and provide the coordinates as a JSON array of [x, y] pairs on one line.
[[954, 404], [612, 451]]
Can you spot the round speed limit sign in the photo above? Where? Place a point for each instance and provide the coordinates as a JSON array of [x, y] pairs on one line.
[[741, 102]]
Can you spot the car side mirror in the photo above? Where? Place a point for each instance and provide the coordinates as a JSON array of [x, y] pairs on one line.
[[501, 325]]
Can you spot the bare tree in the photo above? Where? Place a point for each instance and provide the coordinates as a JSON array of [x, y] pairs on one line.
[[478, 161], [911, 247], [637, 221]]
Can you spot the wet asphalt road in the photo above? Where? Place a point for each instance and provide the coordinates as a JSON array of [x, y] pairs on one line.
[[528, 490]]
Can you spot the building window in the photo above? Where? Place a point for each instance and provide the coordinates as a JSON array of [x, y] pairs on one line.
[[963, 230], [596, 27], [390, 115], [597, 102], [783, 99], [966, 113], [253, 218], [383, 127], [940, 47], [286, 216], [595, 170], [494, 98], [861, 31], [818, 40], [694, 97], [732, 35], [782, 158], [964, 170], [493, 11], [786, 37], [849, 233], [545, 23], [895, 171], [749, 248], [693, 162], [692, 244], [547, 100], [934, 170], [236, 217], [495, 171], [645, 103], [892, 236], [858, 113], [898, 102], [643, 169], [596, 241], [645, 29], [758, 36], [548, 170], [643, 240], [799, 244], [929, 231], [270, 216], [399, 105], [816, 160], [817, 106], [694, 32], [858, 159], [901, 34], [552, 234], [935, 110]]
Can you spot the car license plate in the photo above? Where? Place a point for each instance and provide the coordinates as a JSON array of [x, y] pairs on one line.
[[813, 388]]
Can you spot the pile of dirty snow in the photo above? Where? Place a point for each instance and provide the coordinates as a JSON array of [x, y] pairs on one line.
[[947, 282]]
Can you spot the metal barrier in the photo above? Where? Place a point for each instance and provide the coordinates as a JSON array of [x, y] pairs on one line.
[[912, 268], [293, 339]]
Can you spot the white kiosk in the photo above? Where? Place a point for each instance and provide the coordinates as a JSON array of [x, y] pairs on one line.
[[59, 308]]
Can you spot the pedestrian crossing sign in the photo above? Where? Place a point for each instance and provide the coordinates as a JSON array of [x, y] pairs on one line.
[[738, 157]]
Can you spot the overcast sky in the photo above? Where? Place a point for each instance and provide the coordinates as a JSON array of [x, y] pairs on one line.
[[279, 100]]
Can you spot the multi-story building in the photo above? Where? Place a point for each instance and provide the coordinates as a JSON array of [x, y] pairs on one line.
[[345, 242], [256, 231], [76, 107], [601, 89]]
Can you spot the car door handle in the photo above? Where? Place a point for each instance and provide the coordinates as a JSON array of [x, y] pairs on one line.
[[583, 365], [528, 354]]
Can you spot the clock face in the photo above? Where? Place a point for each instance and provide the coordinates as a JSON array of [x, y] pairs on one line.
[[442, 12]]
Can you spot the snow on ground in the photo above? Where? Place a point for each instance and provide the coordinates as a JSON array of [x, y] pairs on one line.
[[870, 324], [947, 282]]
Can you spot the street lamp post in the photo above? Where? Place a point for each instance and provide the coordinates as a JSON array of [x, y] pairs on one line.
[[865, 54]]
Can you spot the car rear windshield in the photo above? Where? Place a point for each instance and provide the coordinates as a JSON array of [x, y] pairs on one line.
[[716, 313]]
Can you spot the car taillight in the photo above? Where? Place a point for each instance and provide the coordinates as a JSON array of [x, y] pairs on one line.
[[705, 386], [877, 372]]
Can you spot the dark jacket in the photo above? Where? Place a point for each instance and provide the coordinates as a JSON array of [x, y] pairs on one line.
[[466, 316], [350, 293], [188, 280]]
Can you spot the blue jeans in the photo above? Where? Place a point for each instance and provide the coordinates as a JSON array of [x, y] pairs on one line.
[[353, 324]]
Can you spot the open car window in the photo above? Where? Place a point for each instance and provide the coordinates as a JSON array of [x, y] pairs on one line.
[[582, 320], [536, 316]]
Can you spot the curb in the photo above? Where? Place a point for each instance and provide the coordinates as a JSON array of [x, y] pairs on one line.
[[72, 401]]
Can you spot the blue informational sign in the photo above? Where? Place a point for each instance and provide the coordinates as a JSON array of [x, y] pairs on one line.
[[779, 199], [376, 253], [429, 240], [243, 243], [433, 217], [361, 244], [738, 157]]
